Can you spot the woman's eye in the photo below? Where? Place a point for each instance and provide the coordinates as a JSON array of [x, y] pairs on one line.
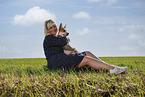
[[50, 28]]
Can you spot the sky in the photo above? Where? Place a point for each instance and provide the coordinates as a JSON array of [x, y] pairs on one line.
[[103, 27]]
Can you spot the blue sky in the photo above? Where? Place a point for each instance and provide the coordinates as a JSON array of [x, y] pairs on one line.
[[104, 27]]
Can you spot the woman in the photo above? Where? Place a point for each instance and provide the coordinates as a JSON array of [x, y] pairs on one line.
[[56, 58]]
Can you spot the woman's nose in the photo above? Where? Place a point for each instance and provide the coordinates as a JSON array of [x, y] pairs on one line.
[[53, 28]]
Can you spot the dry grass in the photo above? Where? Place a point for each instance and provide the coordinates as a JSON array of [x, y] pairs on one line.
[[30, 77]]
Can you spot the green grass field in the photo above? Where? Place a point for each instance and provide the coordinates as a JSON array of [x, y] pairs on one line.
[[30, 77]]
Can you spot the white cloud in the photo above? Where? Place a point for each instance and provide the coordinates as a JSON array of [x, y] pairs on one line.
[[6, 52], [128, 48], [139, 4], [132, 28], [110, 2], [113, 20], [82, 15], [119, 7], [104, 2], [33, 16], [129, 51], [83, 31], [93, 0], [133, 37], [141, 43], [2, 49]]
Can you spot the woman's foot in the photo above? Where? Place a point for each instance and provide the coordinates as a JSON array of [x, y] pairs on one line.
[[118, 70]]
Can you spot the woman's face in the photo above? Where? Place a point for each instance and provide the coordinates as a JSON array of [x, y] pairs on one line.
[[52, 29]]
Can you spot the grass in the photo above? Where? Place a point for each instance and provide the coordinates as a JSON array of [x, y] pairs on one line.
[[31, 77]]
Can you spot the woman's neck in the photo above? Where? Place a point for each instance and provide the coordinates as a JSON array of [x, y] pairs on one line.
[[49, 34]]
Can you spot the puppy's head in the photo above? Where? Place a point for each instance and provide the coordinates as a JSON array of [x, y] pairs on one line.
[[62, 32]]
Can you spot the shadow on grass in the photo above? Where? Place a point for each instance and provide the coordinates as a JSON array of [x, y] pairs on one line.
[[83, 69]]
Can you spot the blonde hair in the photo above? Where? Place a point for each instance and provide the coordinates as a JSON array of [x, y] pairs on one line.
[[48, 24]]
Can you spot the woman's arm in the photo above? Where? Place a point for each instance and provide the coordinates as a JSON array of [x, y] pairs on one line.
[[55, 41]]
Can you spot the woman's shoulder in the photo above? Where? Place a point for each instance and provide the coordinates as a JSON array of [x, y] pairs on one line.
[[52, 37], [49, 36]]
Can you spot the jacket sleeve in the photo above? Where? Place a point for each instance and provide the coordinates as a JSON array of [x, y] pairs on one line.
[[55, 41]]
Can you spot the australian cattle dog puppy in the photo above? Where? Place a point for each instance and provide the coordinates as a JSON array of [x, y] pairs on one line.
[[67, 48]]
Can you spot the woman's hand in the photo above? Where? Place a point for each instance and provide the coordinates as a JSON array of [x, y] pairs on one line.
[[74, 51], [68, 38]]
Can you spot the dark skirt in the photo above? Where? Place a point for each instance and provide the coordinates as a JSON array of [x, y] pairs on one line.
[[62, 60]]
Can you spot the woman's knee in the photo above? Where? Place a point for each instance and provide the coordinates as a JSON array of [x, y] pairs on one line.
[[84, 62], [87, 52]]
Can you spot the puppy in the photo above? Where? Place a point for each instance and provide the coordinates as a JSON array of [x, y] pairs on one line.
[[67, 48]]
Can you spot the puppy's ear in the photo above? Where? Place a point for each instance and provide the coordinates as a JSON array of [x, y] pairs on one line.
[[68, 39], [65, 26], [60, 26]]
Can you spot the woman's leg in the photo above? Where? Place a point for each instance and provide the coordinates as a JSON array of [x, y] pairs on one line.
[[88, 53], [97, 64], [94, 63]]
